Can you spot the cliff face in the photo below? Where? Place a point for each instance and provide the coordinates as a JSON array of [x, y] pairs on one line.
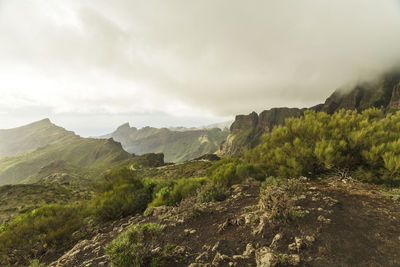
[[383, 94], [246, 130]]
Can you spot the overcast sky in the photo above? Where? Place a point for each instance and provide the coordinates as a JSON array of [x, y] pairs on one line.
[[92, 65]]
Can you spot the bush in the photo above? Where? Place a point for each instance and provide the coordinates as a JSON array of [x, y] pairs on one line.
[[211, 192], [173, 192], [47, 228], [120, 194], [121, 201], [230, 171], [136, 247], [277, 198], [366, 143]]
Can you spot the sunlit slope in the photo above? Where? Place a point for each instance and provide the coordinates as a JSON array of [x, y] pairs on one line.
[[31, 136], [91, 155]]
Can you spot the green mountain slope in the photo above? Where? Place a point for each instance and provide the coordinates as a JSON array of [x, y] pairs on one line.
[[177, 146], [29, 137], [83, 155]]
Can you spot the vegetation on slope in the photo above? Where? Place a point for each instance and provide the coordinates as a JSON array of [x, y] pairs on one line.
[[91, 156], [23, 198], [120, 193], [364, 145]]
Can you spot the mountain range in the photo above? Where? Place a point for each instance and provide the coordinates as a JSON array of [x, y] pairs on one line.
[[72, 197], [32, 148], [177, 145]]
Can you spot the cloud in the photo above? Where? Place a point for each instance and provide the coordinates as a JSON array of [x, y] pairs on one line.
[[219, 57]]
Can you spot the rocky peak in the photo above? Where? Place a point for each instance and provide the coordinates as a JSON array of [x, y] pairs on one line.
[[125, 128], [276, 116], [244, 122]]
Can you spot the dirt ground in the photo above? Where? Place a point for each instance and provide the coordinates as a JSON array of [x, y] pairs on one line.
[[342, 223]]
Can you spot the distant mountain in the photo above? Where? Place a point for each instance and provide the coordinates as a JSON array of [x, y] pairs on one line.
[[177, 146], [89, 156], [222, 125], [246, 130], [31, 136], [42, 148]]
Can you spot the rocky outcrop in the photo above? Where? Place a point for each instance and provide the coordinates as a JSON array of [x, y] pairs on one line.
[[246, 130], [395, 99]]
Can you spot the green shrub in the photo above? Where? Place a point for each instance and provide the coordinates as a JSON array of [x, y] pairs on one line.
[[36, 263], [211, 192], [175, 191], [47, 228], [120, 194], [366, 144], [230, 171], [136, 247], [120, 202]]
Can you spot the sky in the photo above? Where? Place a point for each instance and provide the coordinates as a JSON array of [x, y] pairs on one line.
[[91, 65]]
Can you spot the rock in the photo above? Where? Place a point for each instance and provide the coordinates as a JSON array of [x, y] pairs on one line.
[[275, 240], [224, 225], [157, 211], [320, 209], [301, 197], [219, 259], [206, 247], [294, 259], [310, 239], [202, 257], [292, 246], [156, 250], [215, 247], [248, 218], [239, 257], [323, 219], [179, 250], [195, 264], [265, 257], [189, 231], [259, 230], [249, 250], [299, 243]]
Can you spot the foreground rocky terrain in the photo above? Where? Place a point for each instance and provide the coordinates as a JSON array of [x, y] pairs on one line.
[[331, 222]]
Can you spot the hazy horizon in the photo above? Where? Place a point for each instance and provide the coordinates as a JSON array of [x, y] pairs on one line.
[[91, 66]]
